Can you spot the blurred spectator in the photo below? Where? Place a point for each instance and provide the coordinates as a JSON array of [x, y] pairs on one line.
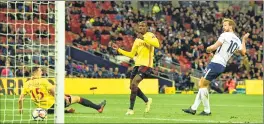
[[68, 67], [7, 71], [87, 72], [104, 72], [230, 85], [116, 73], [187, 80], [111, 73]]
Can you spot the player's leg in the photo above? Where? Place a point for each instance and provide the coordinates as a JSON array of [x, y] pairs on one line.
[[51, 110], [144, 72], [205, 96], [213, 71], [200, 97], [134, 89], [202, 92], [87, 103], [140, 94]]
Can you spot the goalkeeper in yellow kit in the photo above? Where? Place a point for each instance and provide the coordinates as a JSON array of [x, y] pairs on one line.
[[42, 94], [143, 48]]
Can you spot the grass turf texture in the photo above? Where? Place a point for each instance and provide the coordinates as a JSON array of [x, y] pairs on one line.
[[226, 108]]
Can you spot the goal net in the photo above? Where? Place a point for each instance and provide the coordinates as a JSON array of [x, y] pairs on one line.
[[27, 40]]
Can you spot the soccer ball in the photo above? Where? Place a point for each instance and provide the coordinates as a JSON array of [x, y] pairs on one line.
[[39, 114]]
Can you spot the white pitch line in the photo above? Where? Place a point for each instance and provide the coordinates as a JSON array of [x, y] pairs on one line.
[[139, 118], [158, 119]]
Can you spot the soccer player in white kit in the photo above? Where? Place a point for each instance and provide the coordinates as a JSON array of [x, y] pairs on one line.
[[225, 46]]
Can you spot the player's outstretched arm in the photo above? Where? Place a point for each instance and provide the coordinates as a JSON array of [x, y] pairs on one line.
[[20, 103], [130, 54], [243, 47], [152, 40], [213, 47]]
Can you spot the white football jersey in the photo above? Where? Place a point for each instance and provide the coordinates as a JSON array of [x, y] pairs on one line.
[[230, 43]]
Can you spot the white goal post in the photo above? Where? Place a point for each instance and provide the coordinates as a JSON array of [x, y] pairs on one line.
[[60, 63]]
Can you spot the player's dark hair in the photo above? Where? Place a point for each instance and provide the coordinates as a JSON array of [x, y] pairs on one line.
[[142, 23], [34, 69]]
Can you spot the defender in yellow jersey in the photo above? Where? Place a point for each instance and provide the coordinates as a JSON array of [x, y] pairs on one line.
[[143, 53], [42, 94]]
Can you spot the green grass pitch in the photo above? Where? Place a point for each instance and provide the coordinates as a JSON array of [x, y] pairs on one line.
[[226, 108]]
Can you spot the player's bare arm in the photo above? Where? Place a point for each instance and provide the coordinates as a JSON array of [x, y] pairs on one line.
[[213, 47], [244, 39], [52, 90], [130, 54], [20, 103]]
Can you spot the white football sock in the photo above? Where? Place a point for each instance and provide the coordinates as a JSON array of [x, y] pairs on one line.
[[197, 100], [205, 99]]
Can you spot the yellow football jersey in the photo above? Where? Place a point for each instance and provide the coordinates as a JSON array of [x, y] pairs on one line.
[[144, 50], [38, 89]]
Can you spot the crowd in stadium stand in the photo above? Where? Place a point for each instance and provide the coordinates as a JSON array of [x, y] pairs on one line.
[[19, 31], [85, 70], [178, 28], [183, 31]]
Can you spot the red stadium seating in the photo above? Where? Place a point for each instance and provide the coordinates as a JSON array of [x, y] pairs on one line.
[[105, 39], [44, 27], [52, 39], [36, 27], [97, 13], [218, 15], [106, 5], [111, 17], [84, 10], [75, 27], [3, 40], [51, 29], [29, 28], [89, 33]]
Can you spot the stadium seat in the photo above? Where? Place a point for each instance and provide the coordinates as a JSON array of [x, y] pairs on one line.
[[3, 17], [51, 29], [97, 13], [29, 28], [52, 39], [105, 39], [218, 15], [89, 4], [75, 27], [84, 10], [89, 32], [106, 5], [75, 18], [111, 17], [36, 27]]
